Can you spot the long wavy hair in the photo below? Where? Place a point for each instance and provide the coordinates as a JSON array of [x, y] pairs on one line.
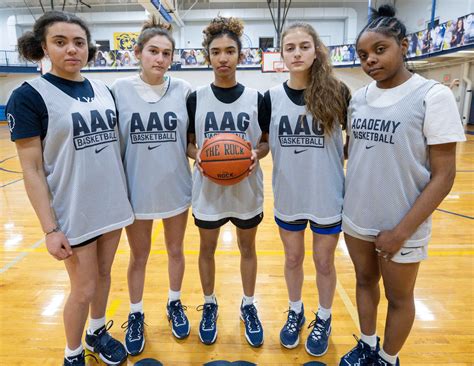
[[326, 97]]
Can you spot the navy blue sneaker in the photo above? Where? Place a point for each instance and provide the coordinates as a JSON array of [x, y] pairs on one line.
[[290, 333], [379, 361], [110, 350], [253, 327], [318, 340], [135, 333], [179, 322], [361, 355], [78, 360], [208, 325]]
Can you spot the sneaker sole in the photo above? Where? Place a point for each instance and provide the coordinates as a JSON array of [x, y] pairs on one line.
[[107, 362], [294, 345], [208, 343], [182, 337], [246, 337], [137, 353], [315, 354]]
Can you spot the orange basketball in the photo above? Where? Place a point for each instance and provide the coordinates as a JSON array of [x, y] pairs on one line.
[[225, 158]]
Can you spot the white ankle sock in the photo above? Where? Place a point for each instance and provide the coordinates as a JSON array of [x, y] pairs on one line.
[[247, 300], [137, 307], [73, 352], [370, 340], [173, 295], [211, 299], [296, 306], [95, 324], [391, 359], [323, 313]]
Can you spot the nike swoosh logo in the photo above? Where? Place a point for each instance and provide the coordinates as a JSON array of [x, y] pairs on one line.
[[102, 148], [369, 147], [153, 147], [406, 253], [299, 151]]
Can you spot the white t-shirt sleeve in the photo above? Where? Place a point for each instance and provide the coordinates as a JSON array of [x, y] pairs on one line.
[[442, 121]]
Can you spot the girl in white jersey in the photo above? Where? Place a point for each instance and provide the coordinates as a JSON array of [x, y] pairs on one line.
[[226, 106], [402, 132], [308, 178], [69, 151], [153, 125]]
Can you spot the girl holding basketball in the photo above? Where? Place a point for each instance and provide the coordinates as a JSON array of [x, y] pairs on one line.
[[306, 114], [153, 126], [402, 133], [66, 134], [225, 106]]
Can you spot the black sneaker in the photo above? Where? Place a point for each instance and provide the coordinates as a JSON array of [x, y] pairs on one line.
[[135, 333], [110, 350]]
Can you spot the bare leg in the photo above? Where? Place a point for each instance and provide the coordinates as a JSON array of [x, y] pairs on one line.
[[207, 264], [174, 235], [324, 247], [293, 242], [248, 259]]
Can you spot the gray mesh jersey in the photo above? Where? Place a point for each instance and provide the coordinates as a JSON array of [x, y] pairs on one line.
[[308, 175], [388, 164], [81, 160], [153, 138], [243, 200]]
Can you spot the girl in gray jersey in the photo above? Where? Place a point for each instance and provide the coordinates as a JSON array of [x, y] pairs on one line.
[[402, 132], [308, 178], [74, 176], [226, 106], [153, 126]]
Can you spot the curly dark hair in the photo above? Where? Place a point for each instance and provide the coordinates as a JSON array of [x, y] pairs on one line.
[[30, 44], [220, 27]]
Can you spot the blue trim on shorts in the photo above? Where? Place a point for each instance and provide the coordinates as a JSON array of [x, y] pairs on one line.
[[291, 226], [326, 230]]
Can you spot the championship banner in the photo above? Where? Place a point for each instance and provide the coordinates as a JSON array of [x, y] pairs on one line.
[[125, 40]]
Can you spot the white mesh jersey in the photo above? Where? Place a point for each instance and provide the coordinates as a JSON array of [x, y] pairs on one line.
[[153, 138], [308, 175], [81, 160], [388, 164], [244, 200]]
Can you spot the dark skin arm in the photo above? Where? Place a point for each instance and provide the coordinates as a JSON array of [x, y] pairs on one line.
[[443, 172]]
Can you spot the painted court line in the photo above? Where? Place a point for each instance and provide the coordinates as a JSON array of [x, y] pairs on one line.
[[7, 184], [348, 303], [454, 213], [19, 257]]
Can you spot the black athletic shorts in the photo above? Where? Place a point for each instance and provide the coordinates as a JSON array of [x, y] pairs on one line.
[[241, 224]]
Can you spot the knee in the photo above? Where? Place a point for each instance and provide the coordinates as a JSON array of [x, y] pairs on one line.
[[324, 265], [139, 260], [400, 301], [294, 261], [367, 279], [247, 251], [175, 253], [207, 251], [84, 294]]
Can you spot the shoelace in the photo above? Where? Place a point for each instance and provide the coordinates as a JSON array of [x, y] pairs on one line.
[[208, 315], [105, 341], [318, 329], [135, 326], [177, 313], [356, 352], [251, 315], [292, 321]]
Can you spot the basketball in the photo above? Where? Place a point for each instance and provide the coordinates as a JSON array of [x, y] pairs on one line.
[[225, 158]]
